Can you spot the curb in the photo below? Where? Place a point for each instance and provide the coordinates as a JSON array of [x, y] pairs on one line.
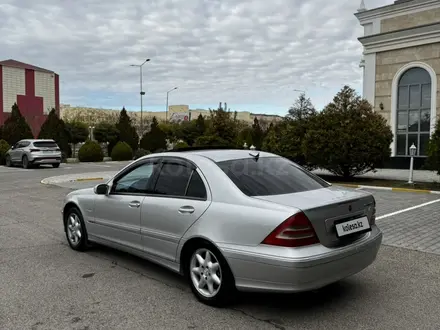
[[87, 179], [84, 177], [420, 191]]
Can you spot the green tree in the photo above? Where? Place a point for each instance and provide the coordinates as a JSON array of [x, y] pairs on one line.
[[155, 138], [55, 128], [245, 136], [4, 147], [200, 125], [15, 127], [127, 131], [189, 131], [286, 138], [348, 138], [433, 160], [222, 130], [77, 131], [257, 134], [302, 108], [106, 133]]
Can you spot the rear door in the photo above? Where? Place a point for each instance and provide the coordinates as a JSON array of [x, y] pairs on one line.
[[18, 151], [180, 197]]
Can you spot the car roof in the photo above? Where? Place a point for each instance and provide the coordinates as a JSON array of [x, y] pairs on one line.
[[219, 155], [37, 140]]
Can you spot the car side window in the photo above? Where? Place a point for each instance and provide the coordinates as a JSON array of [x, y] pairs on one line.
[[173, 179], [24, 144], [196, 187], [135, 181]]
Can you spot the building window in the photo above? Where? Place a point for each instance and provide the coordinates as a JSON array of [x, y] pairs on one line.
[[413, 111]]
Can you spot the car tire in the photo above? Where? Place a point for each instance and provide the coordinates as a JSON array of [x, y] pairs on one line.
[[8, 161], [218, 285], [25, 162], [56, 165], [75, 229]]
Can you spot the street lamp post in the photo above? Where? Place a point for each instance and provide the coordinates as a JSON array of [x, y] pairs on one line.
[[142, 93], [412, 153], [166, 110], [91, 128]]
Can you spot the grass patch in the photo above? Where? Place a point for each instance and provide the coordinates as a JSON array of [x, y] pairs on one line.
[[382, 183]]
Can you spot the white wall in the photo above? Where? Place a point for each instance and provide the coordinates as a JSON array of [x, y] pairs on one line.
[[369, 83], [13, 84], [45, 87]]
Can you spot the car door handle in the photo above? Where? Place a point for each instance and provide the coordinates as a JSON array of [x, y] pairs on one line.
[[134, 204], [186, 209]]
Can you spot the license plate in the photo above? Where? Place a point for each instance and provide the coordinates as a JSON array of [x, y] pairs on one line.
[[352, 227]]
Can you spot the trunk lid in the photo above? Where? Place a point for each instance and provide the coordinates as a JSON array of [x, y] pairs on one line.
[[326, 206]]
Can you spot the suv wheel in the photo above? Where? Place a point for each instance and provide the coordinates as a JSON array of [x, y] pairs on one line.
[[8, 161], [25, 162]]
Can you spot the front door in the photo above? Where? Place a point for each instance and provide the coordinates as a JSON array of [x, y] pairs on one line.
[[17, 153], [117, 215], [180, 198]]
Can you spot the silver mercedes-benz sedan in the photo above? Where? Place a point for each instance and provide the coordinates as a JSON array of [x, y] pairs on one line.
[[229, 220]]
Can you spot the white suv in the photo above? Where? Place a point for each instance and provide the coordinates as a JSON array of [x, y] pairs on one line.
[[30, 153]]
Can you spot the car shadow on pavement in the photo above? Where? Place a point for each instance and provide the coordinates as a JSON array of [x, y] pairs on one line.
[[292, 303], [302, 301]]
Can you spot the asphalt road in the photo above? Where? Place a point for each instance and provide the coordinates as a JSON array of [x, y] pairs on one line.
[[46, 285]]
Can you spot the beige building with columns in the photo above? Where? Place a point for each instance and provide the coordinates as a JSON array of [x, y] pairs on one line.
[[401, 65]]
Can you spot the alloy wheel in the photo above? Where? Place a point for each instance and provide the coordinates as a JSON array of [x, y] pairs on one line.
[[206, 274], [74, 230]]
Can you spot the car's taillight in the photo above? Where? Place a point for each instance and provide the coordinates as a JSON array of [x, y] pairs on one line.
[[35, 150], [296, 231]]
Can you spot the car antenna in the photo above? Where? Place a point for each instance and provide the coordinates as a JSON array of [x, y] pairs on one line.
[[256, 155]]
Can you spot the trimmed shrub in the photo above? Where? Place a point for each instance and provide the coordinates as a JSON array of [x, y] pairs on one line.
[[4, 147], [122, 151], [141, 153], [90, 152]]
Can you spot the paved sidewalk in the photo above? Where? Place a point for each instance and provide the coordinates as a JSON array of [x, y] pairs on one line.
[[392, 174]]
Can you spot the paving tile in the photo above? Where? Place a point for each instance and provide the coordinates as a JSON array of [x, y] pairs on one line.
[[418, 229]]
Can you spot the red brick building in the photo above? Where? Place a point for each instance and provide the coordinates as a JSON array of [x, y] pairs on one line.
[[35, 90]]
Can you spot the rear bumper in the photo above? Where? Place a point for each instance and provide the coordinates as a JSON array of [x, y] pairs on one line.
[[46, 160], [279, 272]]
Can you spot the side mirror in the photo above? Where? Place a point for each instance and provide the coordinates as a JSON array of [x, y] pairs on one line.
[[101, 189], [12, 147]]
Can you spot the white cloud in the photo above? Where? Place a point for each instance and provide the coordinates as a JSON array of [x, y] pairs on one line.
[[238, 51]]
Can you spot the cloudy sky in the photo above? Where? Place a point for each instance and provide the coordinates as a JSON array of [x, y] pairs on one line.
[[251, 54]]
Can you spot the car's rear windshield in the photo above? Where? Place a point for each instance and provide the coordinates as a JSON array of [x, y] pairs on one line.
[[45, 144], [270, 176]]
